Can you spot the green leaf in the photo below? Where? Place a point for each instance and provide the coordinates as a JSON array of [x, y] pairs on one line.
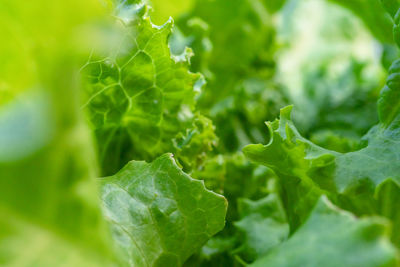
[[263, 224], [365, 181], [191, 145], [332, 237], [140, 98], [297, 162], [317, 170], [158, 214]]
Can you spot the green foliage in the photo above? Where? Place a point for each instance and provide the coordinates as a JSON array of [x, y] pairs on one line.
[[333, 73], [364, 182], [332, 237], [234, 46], [49, 199], [350, 178], [121, 142], [158, 214], [265, 216], [141, 99]]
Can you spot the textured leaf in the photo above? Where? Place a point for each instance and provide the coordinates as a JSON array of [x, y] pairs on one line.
[[159, 215], [294, 159], [142, 101], [332, 237], [365, 182], [140, 98], [307, 170]]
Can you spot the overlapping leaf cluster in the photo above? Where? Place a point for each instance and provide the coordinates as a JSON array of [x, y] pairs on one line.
[[363, 182], [334, 81], [141, 99], [161, 114], [234, 45], [148, 214]]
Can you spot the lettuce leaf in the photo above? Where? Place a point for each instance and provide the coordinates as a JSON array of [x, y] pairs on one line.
[[159, 215], [266, 216], [351, 179], [141, 99], [333, 237], [307, 170], [295, 203], [364, 182]]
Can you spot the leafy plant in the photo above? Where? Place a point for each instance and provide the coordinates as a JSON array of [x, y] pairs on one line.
[[121, 142]]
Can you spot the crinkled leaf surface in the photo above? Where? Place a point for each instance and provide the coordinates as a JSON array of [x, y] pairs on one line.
[[140, 101], [294, 159], [307, 170], [365, 182], [140, 98], [158, 214], [332, 237]]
